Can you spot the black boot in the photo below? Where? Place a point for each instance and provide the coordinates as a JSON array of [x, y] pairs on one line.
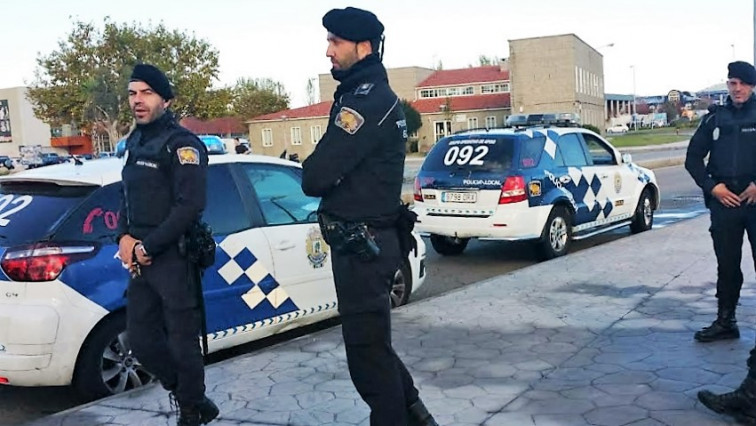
[[418, 415], [740, 403], [194, 415], [724, 327], [208, 411]]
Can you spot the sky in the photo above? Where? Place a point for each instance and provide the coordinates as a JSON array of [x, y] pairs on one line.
[[649, 46]]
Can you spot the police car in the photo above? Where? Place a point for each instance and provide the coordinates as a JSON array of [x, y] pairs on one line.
[[62, 291], [549, 185]]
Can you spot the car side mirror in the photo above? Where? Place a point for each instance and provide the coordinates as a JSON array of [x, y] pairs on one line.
[[627, 158]]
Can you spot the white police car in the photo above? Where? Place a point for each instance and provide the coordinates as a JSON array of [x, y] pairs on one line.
[[550, 185], [62, 292]]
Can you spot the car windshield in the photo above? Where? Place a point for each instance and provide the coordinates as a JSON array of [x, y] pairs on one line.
[[481, 153], [30, 211]]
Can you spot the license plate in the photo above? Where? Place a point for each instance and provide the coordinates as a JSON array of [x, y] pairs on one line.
[[460, 197]]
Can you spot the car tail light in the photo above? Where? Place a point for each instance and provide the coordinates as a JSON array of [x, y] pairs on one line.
[[43, 261], [418, 193], [513, 190]]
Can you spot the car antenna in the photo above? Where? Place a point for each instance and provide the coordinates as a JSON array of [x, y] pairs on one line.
[[77, 161]]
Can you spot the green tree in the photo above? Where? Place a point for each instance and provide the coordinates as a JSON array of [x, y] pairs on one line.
[[414, 121], [484, 60], [84, 82], [253, 97]]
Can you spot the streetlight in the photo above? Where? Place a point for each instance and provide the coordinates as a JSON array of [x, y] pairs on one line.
[[733, 51], [605, 45], [634, 109]]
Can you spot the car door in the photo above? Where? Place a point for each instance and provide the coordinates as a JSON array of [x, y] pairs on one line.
[[572, 178], [600, 174], [301, 258], [617, 181], [239, 287]]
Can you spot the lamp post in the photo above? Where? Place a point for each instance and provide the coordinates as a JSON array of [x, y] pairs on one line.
[[634, 109], [733, 51]]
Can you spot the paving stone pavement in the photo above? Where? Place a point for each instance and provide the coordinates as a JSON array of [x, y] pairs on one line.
[[598, 337]]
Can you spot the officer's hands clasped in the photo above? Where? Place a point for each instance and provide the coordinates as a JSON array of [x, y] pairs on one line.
[[748, 195], [725, 196]]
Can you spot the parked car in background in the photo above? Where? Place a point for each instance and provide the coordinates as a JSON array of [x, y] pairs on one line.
[[50, 158], [64, 321], [617, 129], [214, 144], [7, 162]]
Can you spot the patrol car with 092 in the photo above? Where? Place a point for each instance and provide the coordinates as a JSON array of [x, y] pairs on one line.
[[62, 291], [549, 185]]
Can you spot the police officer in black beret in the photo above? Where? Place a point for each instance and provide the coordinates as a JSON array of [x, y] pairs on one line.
[[728, 136], [357, 168], [163, 195]]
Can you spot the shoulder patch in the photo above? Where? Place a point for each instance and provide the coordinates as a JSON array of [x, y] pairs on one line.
[[188, 155], [349, 120], [364, 89]]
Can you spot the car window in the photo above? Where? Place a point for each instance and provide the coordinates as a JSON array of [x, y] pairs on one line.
[[531, 150], [279, 193], [598, 152], [30, 211], [483, 153], [224, 211], [571, 148], [96, 219]]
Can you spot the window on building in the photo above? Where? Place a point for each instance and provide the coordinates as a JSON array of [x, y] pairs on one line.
[[315, 134], [494, 88], [490, 122], [472, 123], [267, 137], [446, 92], [296, 136]]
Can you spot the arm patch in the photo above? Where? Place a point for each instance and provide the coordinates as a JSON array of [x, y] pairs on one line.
[[188, 155], [349, 120]]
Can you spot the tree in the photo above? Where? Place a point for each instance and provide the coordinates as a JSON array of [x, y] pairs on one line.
[[84, 82], [487, 60], [414, 121], [672, 109], [253, 97], [311, 92]]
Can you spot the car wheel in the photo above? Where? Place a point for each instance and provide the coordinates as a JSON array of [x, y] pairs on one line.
[[643, 219], [556, 237], [448, 246], [106, 365], [401, 288]]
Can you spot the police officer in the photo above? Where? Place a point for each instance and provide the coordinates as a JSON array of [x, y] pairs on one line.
[[360, 194], [163, 194], [728, 135]]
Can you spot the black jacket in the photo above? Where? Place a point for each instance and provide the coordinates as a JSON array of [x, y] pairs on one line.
[[728, 135], [358, 166], [163, 189]]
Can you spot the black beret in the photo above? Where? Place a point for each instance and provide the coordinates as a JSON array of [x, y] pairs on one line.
[[742, 70], [353, 24], [154, 78]]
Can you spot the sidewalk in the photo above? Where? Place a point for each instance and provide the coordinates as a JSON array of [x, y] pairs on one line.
[[599, 337]]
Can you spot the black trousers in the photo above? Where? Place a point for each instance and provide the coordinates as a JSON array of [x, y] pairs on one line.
[[163, 321], [727, 227], [362, 289]]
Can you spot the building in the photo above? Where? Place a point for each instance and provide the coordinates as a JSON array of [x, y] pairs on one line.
[[18, 125], [447, 100], [545, 74], [559, 73], [453, 100]]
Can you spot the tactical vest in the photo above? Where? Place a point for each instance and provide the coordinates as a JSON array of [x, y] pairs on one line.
[[147, 180]]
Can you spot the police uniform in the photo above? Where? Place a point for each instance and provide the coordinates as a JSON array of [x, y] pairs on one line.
[[163, 194], [367, 133], [728, 135]]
